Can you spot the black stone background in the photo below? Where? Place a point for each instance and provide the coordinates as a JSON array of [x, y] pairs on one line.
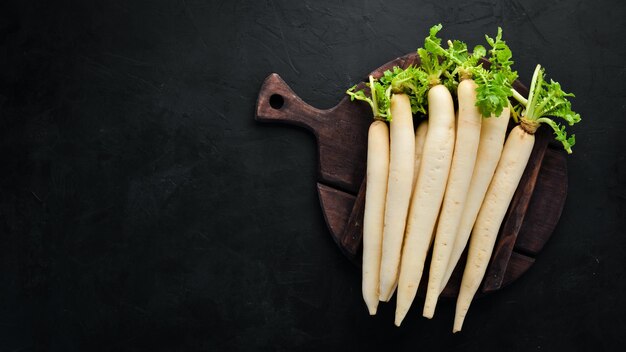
[[143, 209]]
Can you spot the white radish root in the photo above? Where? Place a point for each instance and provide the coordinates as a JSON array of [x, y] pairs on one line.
[[401, 164], [515, 155], [420, 138], [374, 213]]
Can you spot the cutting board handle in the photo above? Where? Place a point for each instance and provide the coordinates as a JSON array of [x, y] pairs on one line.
[[278, 103]]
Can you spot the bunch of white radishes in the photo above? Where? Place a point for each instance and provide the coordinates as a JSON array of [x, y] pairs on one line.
[[450, 180]]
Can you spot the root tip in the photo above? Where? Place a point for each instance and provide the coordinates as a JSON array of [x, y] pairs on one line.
[[458, 324], [399, 318]]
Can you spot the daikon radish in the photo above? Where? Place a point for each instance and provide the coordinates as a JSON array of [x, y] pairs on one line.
[[420, 137], [431, 182], [376, 191], [401, 164]]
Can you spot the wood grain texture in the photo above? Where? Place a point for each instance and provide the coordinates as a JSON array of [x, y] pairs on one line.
[[544, 215], [352, 238], [339, 131], [341, 134], [337, 206]]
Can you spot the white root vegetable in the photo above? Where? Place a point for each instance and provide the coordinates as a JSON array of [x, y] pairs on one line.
[[374, 213], [420, 138], [401, 164], [463, 160], [515, 155], [427, 197], [492, 133]]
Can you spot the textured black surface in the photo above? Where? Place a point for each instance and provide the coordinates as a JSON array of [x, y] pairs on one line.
[[142, 208]]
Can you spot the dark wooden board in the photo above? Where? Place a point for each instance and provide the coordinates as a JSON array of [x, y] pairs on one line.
[[341, 134]]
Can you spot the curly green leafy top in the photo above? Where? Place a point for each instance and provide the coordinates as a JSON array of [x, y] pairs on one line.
[[544, 100], [377, 100], [441, 65], [464, 61], [493, 84], [500, 55], [494, 87], [410, 81], [434, 60], [493, 90]]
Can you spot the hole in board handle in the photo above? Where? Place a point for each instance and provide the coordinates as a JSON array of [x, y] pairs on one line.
[[276, 101]]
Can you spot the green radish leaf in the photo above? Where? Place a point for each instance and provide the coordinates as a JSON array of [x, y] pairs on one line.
[[494, 84], [432, 43], [561, 135], [478, 52], [434, 58], [492, 91], [443, 65], [411, 81], [450, 81], [380, 104], [500, 55], [548, 100]]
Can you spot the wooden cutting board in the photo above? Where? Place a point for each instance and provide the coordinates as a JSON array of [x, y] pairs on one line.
[[341, 134]]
